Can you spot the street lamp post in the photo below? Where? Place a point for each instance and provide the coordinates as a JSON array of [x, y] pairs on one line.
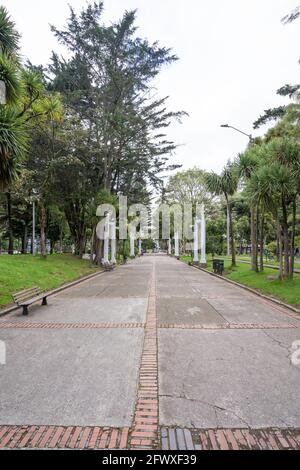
[[227, 126]]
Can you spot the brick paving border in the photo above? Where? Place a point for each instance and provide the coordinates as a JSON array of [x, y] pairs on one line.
[[144, 433], [63, 437], [57, 326], [230, 439], [230, 326]]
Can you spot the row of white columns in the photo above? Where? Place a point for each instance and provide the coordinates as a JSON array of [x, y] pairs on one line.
[[110, 234]]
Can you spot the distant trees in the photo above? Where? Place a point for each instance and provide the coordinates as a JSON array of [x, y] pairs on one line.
[[274, 187], [90, 122]]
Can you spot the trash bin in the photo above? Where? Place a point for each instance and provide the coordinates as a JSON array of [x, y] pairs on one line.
[[218, 266]]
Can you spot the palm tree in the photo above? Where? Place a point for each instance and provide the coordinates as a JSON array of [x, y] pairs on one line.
[[275, 186], [284, 156], [247, 163], [12, 138], [226, 185]]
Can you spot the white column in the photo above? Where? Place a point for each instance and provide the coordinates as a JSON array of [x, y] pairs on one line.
[[169, 246], [196, 241], [106, 239], [176, 244], [113, 241], [203, 237], [132, 253], [140, 246]]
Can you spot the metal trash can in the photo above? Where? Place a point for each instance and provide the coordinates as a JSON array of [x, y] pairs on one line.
[[218, 266]]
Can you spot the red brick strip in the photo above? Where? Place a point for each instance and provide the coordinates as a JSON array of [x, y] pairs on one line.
[[144, 433], [55, 326], [230, 326], [62, 437], [231, 439]]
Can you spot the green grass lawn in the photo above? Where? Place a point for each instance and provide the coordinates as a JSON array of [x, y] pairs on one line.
[[18, 272], [272, 262], [287, 291]]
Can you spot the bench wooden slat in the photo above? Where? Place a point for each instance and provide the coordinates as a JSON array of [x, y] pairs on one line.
[[29, 296], [34, 299], [26, 294]]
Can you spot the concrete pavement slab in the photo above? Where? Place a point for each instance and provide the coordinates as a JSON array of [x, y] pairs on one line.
[[69, 377], [187, 311], [62, 309], [228, 378], [250, 310]]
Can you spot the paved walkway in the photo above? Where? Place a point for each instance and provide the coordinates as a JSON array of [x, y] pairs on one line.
[[155, 354]]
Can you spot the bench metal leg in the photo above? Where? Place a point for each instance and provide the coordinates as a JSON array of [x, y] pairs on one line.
[[25, 309], [44, 301]]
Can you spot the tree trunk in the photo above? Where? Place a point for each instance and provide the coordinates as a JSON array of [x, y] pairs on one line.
[[75, 214], [61, 235], [10, 227], [286, 247], [92, 245], [254, 265], [99, 247], [261, 242], [232, 242], [25, 240], [280, 255], [292, 257], [43, 229], [278, 239]]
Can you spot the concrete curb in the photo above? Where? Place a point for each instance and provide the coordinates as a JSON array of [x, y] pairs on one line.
[[57, 290], [254, 291]]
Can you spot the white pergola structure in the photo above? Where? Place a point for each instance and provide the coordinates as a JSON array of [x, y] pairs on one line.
[[202, 239], [169, 246], [113, 241], [196, 241], [132, 241], [176, 240], [106, 239], [140, 246], [109, 235]]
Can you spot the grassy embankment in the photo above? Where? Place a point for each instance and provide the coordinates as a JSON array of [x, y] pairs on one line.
[[18, 272]]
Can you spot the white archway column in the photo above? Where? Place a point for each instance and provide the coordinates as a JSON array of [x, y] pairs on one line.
[[169, 246], [196, 241], [140, 246], [177, 244], [106, 239], [132, 253], [113, 241], [203, 263]]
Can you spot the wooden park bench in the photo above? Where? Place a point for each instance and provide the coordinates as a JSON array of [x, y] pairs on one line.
[[26, 297]]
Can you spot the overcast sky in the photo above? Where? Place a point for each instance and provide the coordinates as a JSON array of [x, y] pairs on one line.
[[234, 55]]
